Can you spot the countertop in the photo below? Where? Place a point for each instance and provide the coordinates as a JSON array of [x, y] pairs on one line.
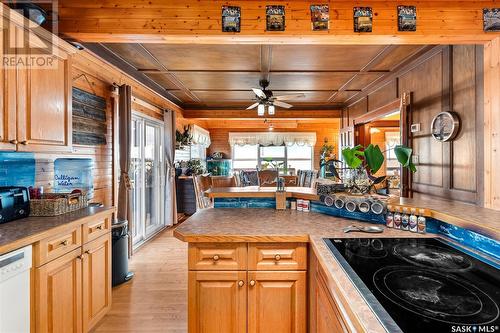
[[269, 225], [22, 232], [482, 220]]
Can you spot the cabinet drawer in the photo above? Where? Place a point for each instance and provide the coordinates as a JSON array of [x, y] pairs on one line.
[[55, 246], [277, 256], [94, 229], [213, 256]]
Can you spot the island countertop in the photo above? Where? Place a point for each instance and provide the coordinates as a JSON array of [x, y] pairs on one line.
[[475, 218]]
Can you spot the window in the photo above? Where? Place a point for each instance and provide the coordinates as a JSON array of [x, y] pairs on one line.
[[293, 157]]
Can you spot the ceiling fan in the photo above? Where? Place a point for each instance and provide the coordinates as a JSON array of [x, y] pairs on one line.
[[266, 99]]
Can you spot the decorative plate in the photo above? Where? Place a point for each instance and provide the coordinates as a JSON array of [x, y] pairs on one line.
[[445, 126]]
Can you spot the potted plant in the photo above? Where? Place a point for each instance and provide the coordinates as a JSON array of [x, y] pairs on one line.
[[183, 139], [194, 168]]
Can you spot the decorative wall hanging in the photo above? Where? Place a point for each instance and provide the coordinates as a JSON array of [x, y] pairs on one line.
[[89, 118], [231, 19], [491, 19], [275, 18], [320, 17], [445, 126], [363, 19], [407, 18]]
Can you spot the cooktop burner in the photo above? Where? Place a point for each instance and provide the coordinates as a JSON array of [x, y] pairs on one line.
[[421, 285]]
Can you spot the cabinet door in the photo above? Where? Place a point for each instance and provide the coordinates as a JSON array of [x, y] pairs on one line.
[[7, 102], [277, 302], [44, 107], [58, 295], [217, 302], [96, 280]]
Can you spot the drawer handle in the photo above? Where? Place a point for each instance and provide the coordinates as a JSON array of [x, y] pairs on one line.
[[216, 257], [277, 257], [241, 283], [64, 242], [99, 227], [252, 283]]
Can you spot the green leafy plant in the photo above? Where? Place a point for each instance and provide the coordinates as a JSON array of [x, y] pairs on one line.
[[195, 167], [183, 139]]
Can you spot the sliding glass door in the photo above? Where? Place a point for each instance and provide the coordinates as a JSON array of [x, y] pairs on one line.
[[147, 175]]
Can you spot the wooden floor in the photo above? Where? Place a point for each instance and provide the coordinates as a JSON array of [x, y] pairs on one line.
[[156, 298]]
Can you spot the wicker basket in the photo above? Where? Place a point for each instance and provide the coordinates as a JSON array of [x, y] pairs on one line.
[[52, 204]]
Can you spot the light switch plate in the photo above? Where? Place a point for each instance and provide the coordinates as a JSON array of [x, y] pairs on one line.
[[415, 128], [414, 159]]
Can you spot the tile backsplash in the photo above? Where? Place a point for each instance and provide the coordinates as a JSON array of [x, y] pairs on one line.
[[17, 169]]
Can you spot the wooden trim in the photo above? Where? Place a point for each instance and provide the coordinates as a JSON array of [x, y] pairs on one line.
[[379, 112], [252, 114]]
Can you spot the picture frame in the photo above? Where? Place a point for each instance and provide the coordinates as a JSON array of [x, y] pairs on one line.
[[320, 17], [231, 19], [363, 19], [491, 19], [407, 18], [275, 18]]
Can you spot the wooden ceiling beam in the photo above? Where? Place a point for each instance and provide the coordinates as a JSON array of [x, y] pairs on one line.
[[252, 114]]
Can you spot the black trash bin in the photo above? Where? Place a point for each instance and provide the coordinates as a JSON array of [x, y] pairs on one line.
[[119, 235]]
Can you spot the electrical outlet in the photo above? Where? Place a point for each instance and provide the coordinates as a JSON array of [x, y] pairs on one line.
[[414, 159], [415, 128]]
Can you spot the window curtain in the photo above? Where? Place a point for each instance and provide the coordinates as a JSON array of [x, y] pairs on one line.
[[170, 196], [273, 139], [124, 129], [200, 136]]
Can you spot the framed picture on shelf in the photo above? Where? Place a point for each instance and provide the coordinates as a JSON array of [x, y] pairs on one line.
[[275, 18], [363, 19], [231, 19], [407, 18], [320, 17], [491, 19]]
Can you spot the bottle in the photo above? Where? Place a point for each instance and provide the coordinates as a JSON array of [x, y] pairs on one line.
[[413, 221], [421, 222], [389, 218], [405, 219], [397, 219]]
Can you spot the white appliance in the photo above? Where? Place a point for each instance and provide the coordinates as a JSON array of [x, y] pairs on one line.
[[15, 276]]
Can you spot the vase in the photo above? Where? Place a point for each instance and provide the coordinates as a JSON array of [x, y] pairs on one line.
[[357, 181]]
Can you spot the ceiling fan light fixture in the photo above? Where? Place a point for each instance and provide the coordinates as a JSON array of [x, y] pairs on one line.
[[271, 110], [261, 109]]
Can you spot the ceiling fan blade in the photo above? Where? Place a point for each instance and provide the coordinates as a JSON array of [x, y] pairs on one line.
[[259, 93], [289, 97], [282, 104], [253, 106]]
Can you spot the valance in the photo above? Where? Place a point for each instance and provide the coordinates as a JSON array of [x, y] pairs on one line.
[[200, 136], [272, 138]]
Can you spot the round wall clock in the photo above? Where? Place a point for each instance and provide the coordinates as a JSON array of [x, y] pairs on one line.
[[445, 126]]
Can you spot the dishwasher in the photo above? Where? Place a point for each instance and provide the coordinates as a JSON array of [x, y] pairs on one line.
[[15, 268]]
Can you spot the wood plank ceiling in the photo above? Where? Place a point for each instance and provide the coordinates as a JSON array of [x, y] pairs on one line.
[[221, 76]]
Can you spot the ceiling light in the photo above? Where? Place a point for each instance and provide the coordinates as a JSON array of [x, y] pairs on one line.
[[261, 109], [270, 110]]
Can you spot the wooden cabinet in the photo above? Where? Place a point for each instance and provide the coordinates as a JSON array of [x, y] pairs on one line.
[[72, 284], [217, 302], [277, 302], [96, 276], [7, 104], [268, 297], [58, 294]]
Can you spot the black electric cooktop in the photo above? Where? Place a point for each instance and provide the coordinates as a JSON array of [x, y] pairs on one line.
[[422, 285]]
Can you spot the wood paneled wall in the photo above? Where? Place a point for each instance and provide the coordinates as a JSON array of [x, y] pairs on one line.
[[446, 80], [220, 137], [198, 21]]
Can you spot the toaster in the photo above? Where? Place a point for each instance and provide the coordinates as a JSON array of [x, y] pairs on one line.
[[14, 203]]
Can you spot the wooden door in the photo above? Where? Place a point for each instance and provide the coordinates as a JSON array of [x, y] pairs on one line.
[[44, 107], [7, 101], [277, 302], [217, 302], [327, 315], [58, 295], [96, 280]]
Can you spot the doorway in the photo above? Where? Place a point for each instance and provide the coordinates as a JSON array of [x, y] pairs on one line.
[[147, 178]]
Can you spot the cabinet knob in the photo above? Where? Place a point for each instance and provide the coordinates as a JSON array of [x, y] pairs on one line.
[[99, 227], [81, 257], [216, 257], [252, 283], [14, 142], [241, 283], [87, 252], [277, 257], [24, 142], [64, 242]]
